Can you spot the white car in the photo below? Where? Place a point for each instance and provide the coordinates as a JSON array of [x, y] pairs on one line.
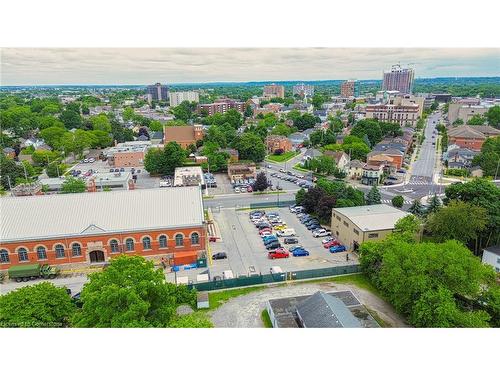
[[237, 190], [321, 233], [91, 160], [85, 160], [327, 239]]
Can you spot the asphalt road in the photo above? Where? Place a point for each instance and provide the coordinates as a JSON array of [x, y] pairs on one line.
[[424, 166]]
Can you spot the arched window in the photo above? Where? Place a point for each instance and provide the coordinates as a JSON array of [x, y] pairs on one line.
[[179, 240], [41, 253], [22, 254], [195, 238], [146, 243], [4, 256], [60, 251], [162, 240], [130, 244], [76, 249], [113, 244]]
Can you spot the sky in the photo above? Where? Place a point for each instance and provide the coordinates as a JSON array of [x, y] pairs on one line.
[[53, 66]]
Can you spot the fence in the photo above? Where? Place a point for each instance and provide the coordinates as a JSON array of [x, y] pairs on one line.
[[274, 278], [272, 204]]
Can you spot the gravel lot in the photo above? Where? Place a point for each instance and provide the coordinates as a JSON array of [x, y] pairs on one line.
[[244, 311]]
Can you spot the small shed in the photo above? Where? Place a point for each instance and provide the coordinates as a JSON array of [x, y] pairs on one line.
[[202, 300]]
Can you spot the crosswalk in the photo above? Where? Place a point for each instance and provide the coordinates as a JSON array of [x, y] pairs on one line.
[[388, 201], [418, 183]]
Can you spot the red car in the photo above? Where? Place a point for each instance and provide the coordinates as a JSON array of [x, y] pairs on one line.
[[278, 253], [331, 243], [265, 230], [249, 189]]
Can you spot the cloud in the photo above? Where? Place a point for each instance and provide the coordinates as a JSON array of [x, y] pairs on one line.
[[28, 66]]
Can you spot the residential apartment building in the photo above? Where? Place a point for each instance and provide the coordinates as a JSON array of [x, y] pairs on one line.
[[222, 106], [392, 158], [348, 89], [278, 142], [355, 225], [399, 78], [404, 115], [177, 97], [372, 174], [157, 92], [303, 90], [183, 135], [274, 91], [82, 229]]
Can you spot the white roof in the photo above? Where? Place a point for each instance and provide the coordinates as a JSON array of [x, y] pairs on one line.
[[52, 216], [374, 217]]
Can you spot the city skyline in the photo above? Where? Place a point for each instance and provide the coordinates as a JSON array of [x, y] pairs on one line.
[[99, 66]]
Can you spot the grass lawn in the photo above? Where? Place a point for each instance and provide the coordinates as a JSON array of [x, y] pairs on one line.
[[297, 167], [216, 299], [283, 157], [358, 279], [264, 315]]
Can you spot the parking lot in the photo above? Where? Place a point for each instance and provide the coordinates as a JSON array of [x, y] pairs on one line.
[[144, 180], [246, 252]]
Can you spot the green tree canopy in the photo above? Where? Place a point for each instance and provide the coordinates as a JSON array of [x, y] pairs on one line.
[[164, 162], [73, 185], [130, 292], [398, 201], [36, 306], [493, 116], [373, 196], [250, 147]]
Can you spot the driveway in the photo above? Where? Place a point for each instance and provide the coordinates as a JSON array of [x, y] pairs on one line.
[[244, 311]]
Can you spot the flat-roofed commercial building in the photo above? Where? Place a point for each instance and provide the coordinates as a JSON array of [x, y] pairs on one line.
[[177, 97], [355, 225], [87, 228]]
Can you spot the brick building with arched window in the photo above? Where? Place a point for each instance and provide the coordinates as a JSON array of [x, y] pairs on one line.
[[87, 228]]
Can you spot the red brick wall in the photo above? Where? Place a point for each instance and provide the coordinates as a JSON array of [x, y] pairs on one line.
[[49, 245], [472, 144]]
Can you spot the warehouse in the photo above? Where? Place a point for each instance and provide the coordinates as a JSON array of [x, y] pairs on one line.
[[355, 225], [83, 229]]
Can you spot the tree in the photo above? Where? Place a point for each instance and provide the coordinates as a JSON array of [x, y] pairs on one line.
[[324, 208], [355, 147], [71, 119], [434, 204], [488, 158], [184, 111], [398, 201], [43, 157], [76, 142], [407, 228], [483, 193], [101, 122], [100, 139], [156, 126], [250, 147], [300, 196], [45, 122], [318, 100], [476, 120], [458, 122], [373, 196], [434, 106], [73, 185], [422, 280], [164, 161], [416, 208], [306, 121], [52, 136], [282, 129], [130, 292], [458, 220], [234, 118], [10, 171], [55, 169], [248, 111], [493, 116], [36, 306], [261, 183], [128, 114]]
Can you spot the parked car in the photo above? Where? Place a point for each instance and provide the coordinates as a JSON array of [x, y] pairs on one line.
[[269, 237], [288, 232], [331, 243], [111, 170], [337, 249], [273, 245], [264, 225], [91, 160], [290, 240], [236, 189], [300, 252], [327, 239], [321, 233], [249, 189], [221, 255], [278, 253], [265, 230]]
